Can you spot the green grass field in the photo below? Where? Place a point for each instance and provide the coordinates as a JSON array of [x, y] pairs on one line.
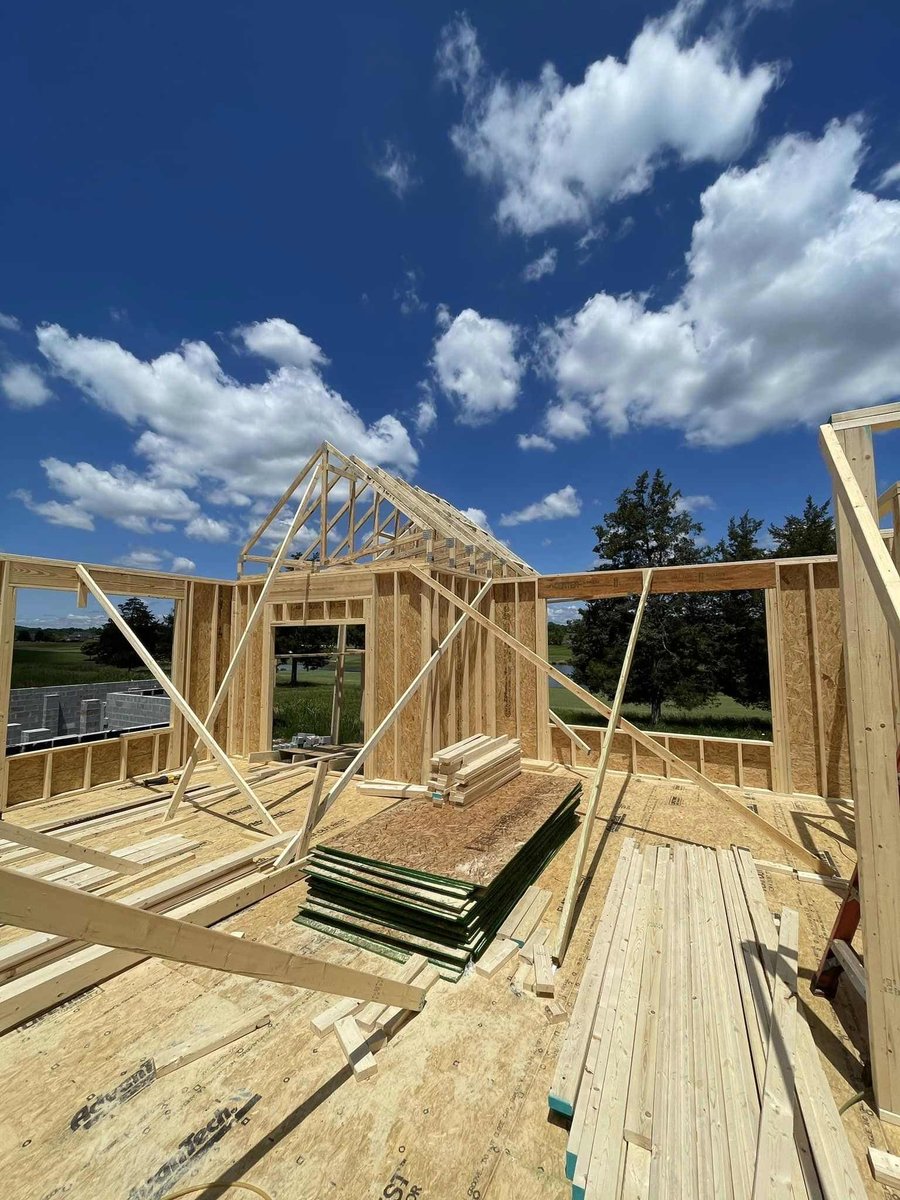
[[306, 708], [721, 717], [54, 664]]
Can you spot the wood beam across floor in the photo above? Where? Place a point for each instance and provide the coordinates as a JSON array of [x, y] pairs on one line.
[[31, 903]]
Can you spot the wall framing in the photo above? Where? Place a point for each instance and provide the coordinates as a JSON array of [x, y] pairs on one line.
[[482, 687]]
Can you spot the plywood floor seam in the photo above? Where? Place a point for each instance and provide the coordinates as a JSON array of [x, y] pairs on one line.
[[457, 1106]]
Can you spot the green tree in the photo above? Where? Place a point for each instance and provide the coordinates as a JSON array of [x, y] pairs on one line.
[[810, 533], [306, 639], [111, 648], [557, 634], [675, 655], [739, 628]]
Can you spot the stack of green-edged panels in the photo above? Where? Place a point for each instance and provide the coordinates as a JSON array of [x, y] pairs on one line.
[[438, 880]]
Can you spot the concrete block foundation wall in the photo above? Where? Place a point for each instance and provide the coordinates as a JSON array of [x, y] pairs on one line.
[[40, 713], [130, 710]]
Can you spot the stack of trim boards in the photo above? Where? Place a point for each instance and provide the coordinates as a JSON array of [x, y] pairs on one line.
[[473, 768], [414, 879]]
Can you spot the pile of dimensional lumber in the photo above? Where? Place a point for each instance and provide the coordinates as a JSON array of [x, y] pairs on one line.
[[473, 768], [39, 970], [686, 1068], [415, 879], [361, 1028]]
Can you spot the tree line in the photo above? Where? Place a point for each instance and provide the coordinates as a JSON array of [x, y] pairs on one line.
[[692, 646], [110, 647]]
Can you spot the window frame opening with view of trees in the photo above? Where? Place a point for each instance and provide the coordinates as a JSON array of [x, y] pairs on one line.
[[305, 678], [83, 682], [701, 661]]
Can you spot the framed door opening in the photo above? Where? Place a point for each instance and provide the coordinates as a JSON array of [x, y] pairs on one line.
[[318, 678]]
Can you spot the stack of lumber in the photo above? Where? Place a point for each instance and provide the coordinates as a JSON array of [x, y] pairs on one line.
[[361, 1028], [39, 970], [686, 1068], [473, 768], [413, 879]]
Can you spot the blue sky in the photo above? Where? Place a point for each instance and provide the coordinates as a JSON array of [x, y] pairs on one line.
[[630, 235]]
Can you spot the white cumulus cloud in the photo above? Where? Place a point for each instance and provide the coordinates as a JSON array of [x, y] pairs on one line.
[[10, 323], [534, 441], [131, 500], [426, 413], [182, 566], [208, 529], [568, 420], [692, 503], [556, 151], [54, 512], [196, 424], [889, 178], [24, 386], [478, 517], [564, 503], [475, 364], [397, 169], [282, 342], [790, 310], [146, 560], [539, 267]]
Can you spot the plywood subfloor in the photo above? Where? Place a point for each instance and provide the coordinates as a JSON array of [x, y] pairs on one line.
[[458, 1105]]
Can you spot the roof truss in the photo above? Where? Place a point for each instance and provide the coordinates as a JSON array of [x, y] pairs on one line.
[[356, 514]]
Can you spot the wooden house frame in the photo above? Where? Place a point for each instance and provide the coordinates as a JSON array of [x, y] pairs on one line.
[[456, 644], [366, 576]]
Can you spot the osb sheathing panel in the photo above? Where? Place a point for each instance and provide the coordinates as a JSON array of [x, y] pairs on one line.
[[648, 763], [721, 762], [757, 765], [67, 772], [139, 760], [26, 778], [620, 755], [223, 657], [105, 758], [505, 660], [445, 716], [688, 750], [257, 738], [383, 645], [409, 725], [528, 682], [246, 707], [198, 693], [831, 669], [799, 680], [237, 703]]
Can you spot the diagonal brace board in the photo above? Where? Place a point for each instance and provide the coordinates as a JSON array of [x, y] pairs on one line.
[[173, 693], [570, 733], [643, 739], [244, 641], [293, 846], [32, 903], [65, 849], [575, 880]]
